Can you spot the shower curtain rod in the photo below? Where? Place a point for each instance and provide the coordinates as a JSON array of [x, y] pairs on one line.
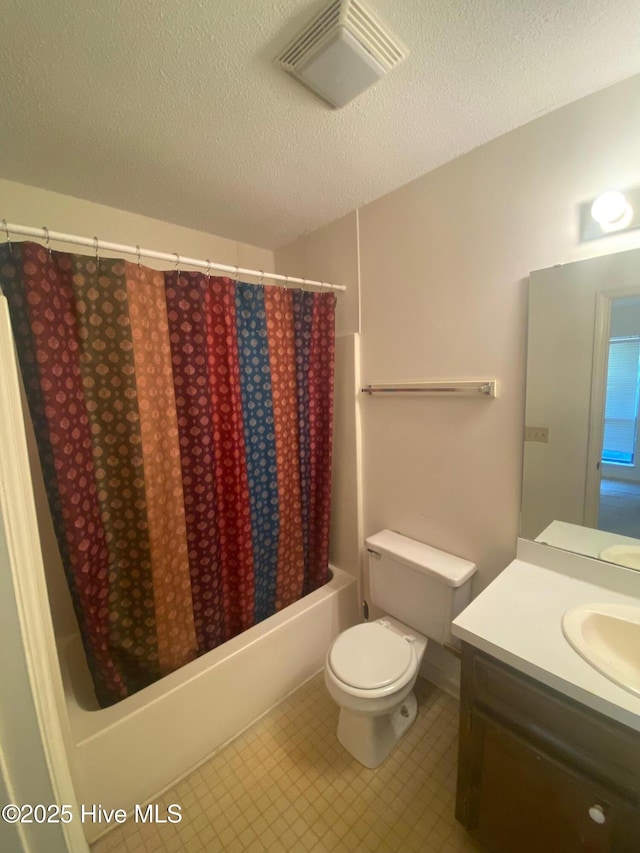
[[11, 228]]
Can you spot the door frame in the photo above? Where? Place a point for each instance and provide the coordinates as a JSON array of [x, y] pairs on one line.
[[34, 637], [602, 334]]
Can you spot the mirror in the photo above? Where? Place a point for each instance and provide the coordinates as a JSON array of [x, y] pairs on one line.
[[581, 475]]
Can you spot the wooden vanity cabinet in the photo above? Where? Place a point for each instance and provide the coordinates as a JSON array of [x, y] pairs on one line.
[[539, 772]]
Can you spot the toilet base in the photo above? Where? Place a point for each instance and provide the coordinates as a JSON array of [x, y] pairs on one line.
[[370, 739]]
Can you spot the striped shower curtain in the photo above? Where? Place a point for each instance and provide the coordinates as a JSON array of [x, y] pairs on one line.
[[184, 426]]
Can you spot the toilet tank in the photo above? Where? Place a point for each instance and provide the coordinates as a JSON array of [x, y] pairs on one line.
[[421, 586]]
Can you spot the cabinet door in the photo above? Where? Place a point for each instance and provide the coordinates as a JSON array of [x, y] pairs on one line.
[[523, 801]]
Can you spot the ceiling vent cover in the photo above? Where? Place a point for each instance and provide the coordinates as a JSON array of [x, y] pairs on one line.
[[341, 52]]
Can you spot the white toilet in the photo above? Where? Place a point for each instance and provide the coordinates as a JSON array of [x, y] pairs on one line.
[[371, 668]]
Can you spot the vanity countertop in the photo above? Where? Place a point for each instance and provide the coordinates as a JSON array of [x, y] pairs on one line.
[[582, 540], [518, 620]]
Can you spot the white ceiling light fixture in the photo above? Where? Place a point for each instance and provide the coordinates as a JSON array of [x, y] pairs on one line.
[[610, 213], [344, 50], [611, 210]]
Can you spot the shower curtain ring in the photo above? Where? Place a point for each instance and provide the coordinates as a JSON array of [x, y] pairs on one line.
[[261, 282], [237, 272], [138, 255], [304, 285], [286, 282], [5, 225], [177, 266], [46, 237], [95, 246], [208, 269]]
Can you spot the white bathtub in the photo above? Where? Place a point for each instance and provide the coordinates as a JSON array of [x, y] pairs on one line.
[[130, 752]]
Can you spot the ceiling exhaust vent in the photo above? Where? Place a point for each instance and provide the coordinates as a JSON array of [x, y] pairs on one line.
[[341, 52]]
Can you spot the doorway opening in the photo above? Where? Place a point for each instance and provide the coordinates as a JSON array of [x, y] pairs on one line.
[[619, 500]]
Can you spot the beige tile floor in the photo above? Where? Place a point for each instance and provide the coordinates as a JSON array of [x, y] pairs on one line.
[[619, 507], [286, 784]]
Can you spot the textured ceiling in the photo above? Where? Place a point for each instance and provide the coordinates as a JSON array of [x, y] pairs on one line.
[[174, 109]]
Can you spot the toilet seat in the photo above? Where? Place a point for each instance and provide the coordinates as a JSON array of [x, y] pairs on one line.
[[372, 657]]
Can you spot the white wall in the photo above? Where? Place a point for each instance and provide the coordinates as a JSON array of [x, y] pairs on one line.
[[32, 206], [330, 254], [444, 263]]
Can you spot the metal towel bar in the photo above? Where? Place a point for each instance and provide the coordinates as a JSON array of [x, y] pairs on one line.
[[453, 388]]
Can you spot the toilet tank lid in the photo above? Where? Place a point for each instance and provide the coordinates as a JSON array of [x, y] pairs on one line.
[[451, 570]]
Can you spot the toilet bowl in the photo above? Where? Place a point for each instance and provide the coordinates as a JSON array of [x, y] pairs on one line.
[[371, 668], [370, 673]]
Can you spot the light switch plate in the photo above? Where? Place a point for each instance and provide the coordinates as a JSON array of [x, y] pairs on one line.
[[537, 434]]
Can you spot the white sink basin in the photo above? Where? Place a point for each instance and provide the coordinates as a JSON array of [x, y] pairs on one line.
[[608, 637], [623, 555]]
